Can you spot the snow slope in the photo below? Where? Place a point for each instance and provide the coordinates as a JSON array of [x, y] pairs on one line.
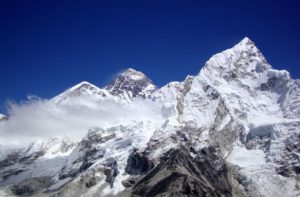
[[82, 89]]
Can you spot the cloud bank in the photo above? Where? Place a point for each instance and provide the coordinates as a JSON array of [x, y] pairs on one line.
[[41, 119]]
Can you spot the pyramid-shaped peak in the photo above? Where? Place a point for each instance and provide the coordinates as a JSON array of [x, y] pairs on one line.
[[243, 58], [246, 40], [83, 88], [131, 82], [83, 84], [133, 74], [131, 70], [245, 44]]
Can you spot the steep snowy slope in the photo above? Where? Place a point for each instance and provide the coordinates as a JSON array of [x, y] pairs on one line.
[[231, 130], [255, 96], [82, 89], [249, 110]]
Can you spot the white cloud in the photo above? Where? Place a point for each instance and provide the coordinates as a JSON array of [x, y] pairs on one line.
[[40, 119]]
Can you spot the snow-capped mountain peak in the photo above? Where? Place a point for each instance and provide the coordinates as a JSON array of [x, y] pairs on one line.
[[248, 47], [243, 61], [246, 41], [131, 83], [83, 85], [231, 130], [83, 88], [128, 84], [133, 74]]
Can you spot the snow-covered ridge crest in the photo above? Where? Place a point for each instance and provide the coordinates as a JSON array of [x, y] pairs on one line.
[[127, 85], [83, 88]]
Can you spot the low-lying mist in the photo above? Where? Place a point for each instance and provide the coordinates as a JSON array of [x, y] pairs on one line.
[[39, 119]]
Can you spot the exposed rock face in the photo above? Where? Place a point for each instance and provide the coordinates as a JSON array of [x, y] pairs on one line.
[[131, 83], [180, 174], [31, 186], [289, 163], [138, 163], [89, 151], [111, 170], [19, 161]]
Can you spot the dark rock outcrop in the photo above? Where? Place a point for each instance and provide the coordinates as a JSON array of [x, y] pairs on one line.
[[30, 186], [90, 152], [133, 82], [289, 164], [111, 170], [180, 174], [138, 163]]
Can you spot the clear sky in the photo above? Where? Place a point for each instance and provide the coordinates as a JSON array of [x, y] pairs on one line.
[[48, 46]]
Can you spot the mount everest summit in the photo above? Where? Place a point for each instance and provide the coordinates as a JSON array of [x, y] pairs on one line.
[[231, 130]]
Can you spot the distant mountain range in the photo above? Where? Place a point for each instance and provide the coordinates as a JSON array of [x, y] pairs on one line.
[[231, 130]]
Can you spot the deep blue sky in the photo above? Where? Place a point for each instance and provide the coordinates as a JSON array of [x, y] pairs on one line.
[[48, 46]]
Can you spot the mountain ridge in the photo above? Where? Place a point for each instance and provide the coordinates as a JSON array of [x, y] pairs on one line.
[[215, 123]]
